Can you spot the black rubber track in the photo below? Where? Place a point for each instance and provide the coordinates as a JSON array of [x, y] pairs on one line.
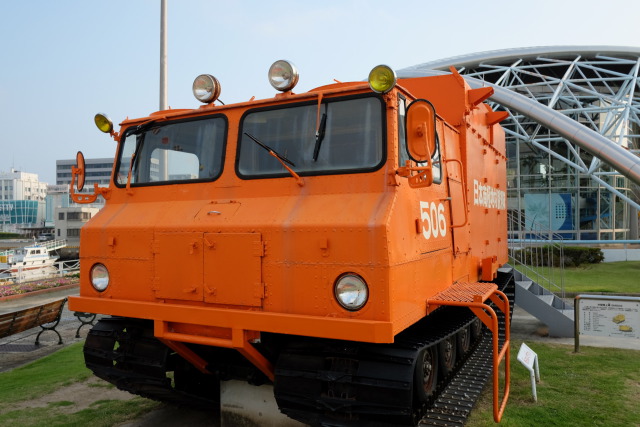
[[319, 382], [125, 353]]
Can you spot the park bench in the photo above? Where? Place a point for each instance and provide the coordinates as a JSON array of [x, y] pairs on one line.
[[47, 316], [86, 319]]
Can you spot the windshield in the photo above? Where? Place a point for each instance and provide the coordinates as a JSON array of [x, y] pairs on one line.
[[173, 152], [343, 136]]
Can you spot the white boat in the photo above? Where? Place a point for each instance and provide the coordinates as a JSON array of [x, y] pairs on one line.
[[30, 262]]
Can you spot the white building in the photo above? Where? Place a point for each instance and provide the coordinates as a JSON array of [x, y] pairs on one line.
[[22, 201], [70, 220], [69, 217], [96, 171], [57, 197], [16, 185]]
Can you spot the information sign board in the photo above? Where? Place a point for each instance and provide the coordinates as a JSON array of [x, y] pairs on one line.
[[610, 318]]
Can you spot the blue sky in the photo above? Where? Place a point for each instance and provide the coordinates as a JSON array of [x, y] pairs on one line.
[[62, 61]]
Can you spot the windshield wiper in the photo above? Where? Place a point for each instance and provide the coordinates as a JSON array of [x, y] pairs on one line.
[[142, 127], [319, 136], [279, 157], [133, 162], [270, 150]]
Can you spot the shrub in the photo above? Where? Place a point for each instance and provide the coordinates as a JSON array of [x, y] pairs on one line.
[[9, 236], [574, 256], [577, 255]]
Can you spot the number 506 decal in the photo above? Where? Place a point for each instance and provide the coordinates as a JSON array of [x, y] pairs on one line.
[[433, 221]]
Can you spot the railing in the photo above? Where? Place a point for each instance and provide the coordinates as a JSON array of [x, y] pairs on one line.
[[7, 253], [537, 252], [58, 269], [67, 267], [52, 245]]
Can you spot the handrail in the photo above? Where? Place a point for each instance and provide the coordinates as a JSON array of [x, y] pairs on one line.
[[473, 296], [534, 252], [464, 193]]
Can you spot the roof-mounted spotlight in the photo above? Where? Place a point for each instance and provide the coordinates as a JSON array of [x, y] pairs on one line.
[[103, 122], [382, 79], [206, 88], [283, 75]]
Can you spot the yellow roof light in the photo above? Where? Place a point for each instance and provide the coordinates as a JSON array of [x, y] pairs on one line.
[[382, 79], [103, 123]]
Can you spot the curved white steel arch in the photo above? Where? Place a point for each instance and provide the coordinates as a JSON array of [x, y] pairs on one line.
[[587, 98]]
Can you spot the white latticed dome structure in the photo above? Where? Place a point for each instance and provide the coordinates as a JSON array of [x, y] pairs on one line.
[[552, 180]]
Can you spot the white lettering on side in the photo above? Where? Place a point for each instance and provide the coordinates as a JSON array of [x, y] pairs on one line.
[[488, 197]]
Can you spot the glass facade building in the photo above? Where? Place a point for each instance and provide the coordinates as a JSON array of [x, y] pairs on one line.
[[554, 185], [22, 212]]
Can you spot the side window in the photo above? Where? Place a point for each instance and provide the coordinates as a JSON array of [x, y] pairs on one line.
[[436, 164], [403, 156]]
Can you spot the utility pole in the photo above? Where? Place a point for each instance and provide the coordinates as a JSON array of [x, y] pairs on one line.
[[164, 158], [163, 55]]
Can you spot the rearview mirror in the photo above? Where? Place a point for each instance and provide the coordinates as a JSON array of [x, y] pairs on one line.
[[79, 171], [421, 130], [77, 180]]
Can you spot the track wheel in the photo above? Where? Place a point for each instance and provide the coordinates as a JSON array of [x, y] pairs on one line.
[[463, 341], [447, 354], [426, 373], [476, 329]]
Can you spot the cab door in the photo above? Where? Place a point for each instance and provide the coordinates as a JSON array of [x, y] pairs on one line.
[[457, 194]]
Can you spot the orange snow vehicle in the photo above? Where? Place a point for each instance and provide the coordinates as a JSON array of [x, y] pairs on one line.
[[345, 244]]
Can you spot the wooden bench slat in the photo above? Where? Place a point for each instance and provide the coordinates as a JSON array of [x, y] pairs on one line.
[[7, 317], [28, 318]]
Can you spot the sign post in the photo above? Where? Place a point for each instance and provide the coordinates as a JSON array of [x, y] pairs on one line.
[[529, 359]]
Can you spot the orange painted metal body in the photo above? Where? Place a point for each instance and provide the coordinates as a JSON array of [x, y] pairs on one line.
[[219, 262]]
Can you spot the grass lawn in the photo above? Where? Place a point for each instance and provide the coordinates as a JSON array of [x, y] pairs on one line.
[[62, 368], [596, 387], [614, 277]]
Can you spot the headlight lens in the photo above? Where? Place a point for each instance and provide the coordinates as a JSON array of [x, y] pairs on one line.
[[283, 75], [206, 88], [351, 291], [382, 79], [99, 277]]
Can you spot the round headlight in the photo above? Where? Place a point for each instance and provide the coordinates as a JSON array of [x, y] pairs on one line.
[[382, 79], [283, 75], [206, 88], [351, 291], [103, 123], [99, 277]]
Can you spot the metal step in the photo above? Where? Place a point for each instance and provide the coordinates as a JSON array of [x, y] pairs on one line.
[[545, 306], [548, 299], [526, 284]]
